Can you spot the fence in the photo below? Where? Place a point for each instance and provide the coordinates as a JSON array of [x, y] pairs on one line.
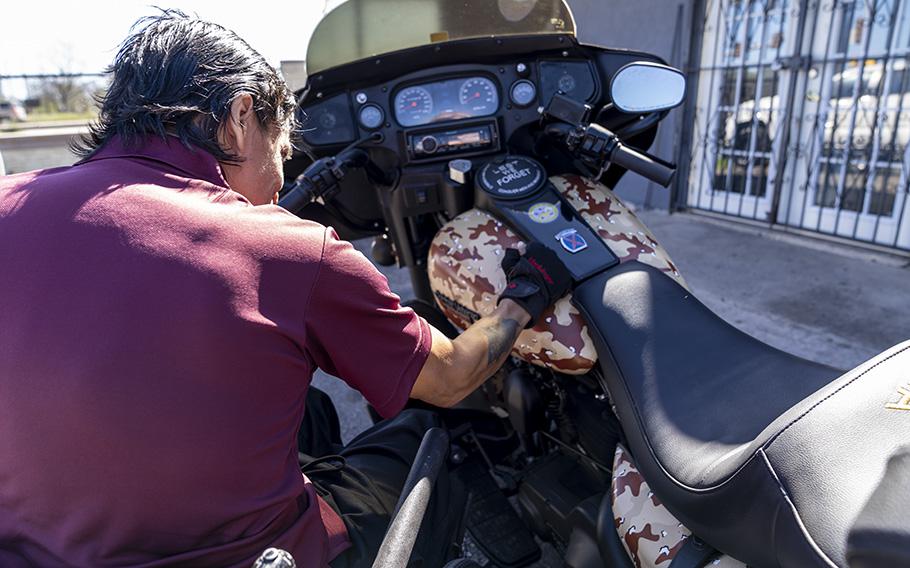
[[48, 95], [802, 116]]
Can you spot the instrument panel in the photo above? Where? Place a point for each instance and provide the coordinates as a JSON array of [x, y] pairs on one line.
[[441, 101], [470, 110]]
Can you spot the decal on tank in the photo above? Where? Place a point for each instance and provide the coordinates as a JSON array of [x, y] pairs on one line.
[[571, 240], [650, 534], [543, 212], [469, 316]]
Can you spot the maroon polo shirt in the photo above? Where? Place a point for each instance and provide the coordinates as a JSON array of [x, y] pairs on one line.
[[158, 334]]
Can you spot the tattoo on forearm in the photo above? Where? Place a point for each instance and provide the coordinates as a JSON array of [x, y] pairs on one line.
[[500, 338]]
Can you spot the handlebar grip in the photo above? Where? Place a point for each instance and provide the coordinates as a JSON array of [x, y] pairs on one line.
[[298, 197], [650, 167], [322, 178]]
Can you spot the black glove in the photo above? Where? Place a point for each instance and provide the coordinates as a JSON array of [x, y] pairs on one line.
[[535, 280]]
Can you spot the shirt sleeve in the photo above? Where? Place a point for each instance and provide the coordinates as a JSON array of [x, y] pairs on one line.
[[358, 331]]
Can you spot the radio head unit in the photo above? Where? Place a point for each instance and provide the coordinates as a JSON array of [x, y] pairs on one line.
[[446, 142]]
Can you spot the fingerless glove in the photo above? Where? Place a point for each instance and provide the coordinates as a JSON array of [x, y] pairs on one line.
[[535, 280]]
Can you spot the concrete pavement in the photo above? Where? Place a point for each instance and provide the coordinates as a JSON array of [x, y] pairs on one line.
[[35, 148], [820, 301]]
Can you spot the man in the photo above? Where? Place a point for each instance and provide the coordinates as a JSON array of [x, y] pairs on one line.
[[160, 322]]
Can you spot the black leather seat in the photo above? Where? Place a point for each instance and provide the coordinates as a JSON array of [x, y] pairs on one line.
[[765, 456], [881, 534]]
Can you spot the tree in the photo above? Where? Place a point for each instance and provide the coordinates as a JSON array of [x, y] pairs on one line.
[[65, 92]]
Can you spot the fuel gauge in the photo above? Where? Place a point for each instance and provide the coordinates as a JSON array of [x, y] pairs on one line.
[[523, 93], [371, 116]]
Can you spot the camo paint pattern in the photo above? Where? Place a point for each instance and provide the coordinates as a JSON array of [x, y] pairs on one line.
[[649, 533], [619, 228], [465, 274], [466, 277]]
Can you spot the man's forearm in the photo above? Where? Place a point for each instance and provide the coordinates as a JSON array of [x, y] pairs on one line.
[[482, 349], [487, 343], [457, 367]]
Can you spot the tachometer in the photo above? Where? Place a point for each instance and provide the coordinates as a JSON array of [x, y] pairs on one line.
[[413, 106], [479, 96]]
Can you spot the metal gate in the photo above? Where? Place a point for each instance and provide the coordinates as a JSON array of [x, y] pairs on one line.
[[802, 116]]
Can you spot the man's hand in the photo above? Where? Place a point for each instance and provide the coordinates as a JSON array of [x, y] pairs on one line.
[[535, 280], [456, 367]]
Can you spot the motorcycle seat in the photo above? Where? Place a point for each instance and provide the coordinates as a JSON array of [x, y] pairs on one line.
[[765, 456]]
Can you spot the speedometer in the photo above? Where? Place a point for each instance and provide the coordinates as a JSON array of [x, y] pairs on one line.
[[478, 95], [413, 106]]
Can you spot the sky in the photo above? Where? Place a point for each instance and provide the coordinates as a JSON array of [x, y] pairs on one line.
[[82, 35]]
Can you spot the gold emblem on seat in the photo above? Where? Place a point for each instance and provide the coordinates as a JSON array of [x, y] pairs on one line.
[[904, 402]]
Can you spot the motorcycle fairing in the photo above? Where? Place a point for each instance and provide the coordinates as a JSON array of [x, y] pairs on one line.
[[466, 278], [421, 22], [765, 456]]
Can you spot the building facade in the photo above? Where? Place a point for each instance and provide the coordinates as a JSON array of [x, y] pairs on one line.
[[798, 111]]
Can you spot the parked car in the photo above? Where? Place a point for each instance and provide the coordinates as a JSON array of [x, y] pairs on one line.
[[12, 111], [840, 128]]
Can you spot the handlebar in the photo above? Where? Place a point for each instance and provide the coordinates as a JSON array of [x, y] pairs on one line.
[[599, 147], [644, 165], [321, 179], [592, 143]]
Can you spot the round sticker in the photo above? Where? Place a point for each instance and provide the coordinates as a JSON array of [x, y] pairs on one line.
[[543, 212]]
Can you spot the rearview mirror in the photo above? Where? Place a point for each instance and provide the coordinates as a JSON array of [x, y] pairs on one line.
[[647, 87]]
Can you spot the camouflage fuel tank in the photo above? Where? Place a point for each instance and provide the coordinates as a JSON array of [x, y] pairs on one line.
[[466, 277], [649, 533]]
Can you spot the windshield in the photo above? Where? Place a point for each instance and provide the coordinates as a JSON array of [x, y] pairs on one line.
[[363, 28]]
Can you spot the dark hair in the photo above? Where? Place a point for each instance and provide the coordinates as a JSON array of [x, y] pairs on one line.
[[179, 75]]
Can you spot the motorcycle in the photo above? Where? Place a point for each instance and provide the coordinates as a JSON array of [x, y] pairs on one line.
[[632, 426]]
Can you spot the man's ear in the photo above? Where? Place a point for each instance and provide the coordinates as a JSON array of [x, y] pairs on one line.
[[233, 135]]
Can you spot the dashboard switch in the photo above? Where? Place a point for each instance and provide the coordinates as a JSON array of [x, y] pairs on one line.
[[459, 170]]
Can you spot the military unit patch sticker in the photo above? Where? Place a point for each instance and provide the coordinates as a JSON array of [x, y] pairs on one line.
[[571, 240], [543, 212]]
